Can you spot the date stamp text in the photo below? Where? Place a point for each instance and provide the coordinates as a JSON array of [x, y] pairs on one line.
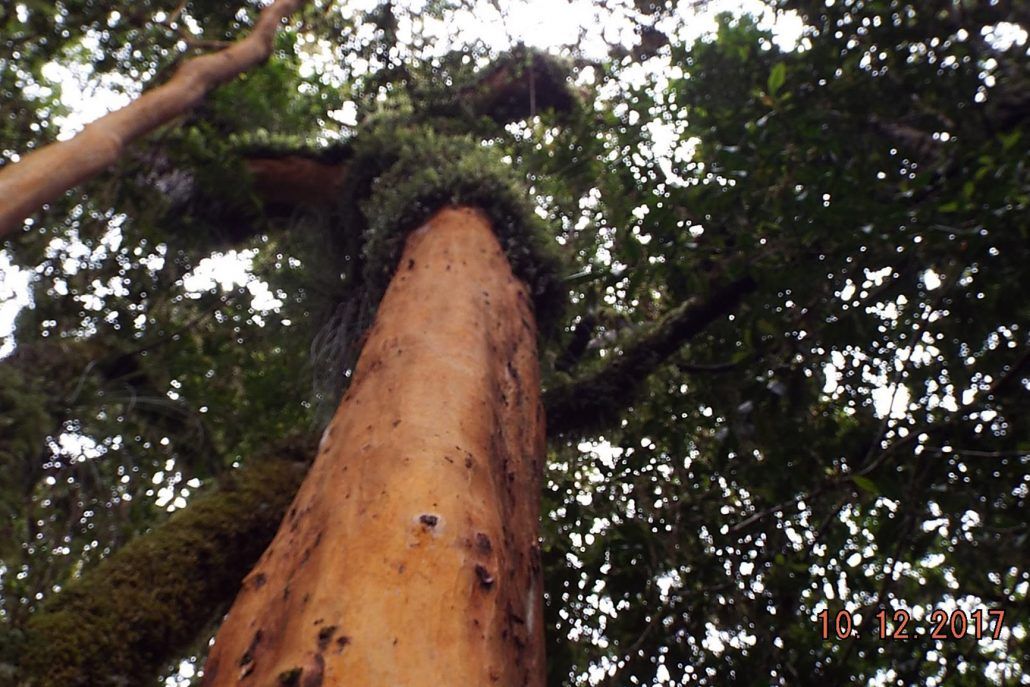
[[900, 625]]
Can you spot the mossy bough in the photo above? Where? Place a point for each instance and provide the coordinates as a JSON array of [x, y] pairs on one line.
[[123, 620]]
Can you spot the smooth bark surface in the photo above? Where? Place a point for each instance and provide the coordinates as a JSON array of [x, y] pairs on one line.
[[409, 556], [293, 180], [44, 174]]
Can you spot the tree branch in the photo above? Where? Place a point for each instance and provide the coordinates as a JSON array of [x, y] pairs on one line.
[[293, 180], [44, 174], [518, 86], [125, 619], [595, 399]]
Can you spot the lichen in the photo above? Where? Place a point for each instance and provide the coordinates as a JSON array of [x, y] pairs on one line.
[[123, 620]]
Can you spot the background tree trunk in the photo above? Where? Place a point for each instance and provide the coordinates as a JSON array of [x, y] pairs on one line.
[[409, 556]]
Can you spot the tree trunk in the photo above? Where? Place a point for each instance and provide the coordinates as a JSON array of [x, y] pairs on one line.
[[409, 556]]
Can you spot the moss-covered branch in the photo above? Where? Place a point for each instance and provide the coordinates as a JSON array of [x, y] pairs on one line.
[[596, 398], [288, 172], [122, 621]]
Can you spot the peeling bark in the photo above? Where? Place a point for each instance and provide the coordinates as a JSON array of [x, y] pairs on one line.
[[44, 174], [409, 556]]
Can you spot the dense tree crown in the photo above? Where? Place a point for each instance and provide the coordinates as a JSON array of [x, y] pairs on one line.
[[781, 286]]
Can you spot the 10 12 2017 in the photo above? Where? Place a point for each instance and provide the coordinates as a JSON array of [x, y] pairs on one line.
[[898, 624]]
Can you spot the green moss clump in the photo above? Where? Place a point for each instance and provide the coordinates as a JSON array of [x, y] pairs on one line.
[[429, 171], [401, 171], [125, 619], [262, 143]]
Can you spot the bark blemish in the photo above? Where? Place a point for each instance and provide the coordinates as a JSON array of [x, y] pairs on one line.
[[246, 670], [324, 442], [325, 635], [247, 661], [429, 520], [291, 677], [315, 674], [486, 580]]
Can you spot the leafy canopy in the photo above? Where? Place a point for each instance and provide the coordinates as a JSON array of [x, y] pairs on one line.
[[852, 436]]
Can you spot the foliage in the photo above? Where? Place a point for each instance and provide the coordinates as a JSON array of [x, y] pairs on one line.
[[851, 436]]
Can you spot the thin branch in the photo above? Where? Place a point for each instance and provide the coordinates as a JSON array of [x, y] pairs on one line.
[[715, 368], [173, 17], [596, 398]]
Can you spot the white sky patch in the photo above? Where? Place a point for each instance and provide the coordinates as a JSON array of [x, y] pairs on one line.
[[77, 447], [226, 270], [544, 24], [892, 400], [86, 95], [1004, 35], [14, 295], [229, 270], [787, 27], [931, 280]]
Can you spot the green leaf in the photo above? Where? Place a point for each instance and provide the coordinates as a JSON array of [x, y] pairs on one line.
[[1008, 141], [866, 484], [777, 77]]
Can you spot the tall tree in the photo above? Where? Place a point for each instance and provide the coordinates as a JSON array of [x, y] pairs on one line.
[[787, 378]]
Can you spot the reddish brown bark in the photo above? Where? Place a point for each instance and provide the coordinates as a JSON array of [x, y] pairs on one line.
[[409, 556], [44, 174], [295, 180]]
